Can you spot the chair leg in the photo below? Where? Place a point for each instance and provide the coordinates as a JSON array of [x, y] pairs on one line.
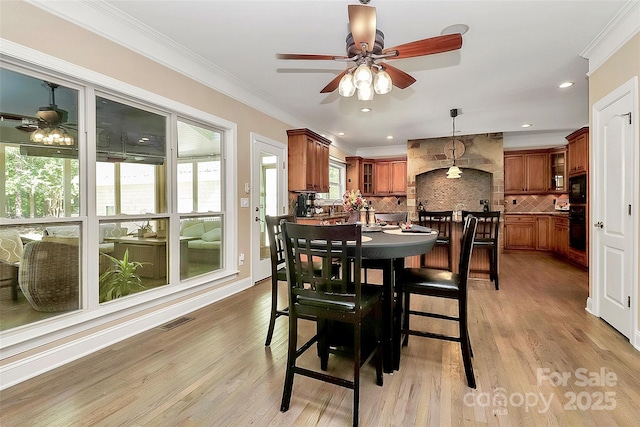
[[274, 308], [323, 345], [378, 338], [405, 314], [494, 267], [356, 372], [397, 329], [465, 345], [291, 364]]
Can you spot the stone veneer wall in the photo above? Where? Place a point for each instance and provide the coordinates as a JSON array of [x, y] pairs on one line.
[[483, 152]]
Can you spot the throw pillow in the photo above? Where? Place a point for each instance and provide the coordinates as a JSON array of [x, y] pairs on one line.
[[211, 236], [196, 230], [10, 246]]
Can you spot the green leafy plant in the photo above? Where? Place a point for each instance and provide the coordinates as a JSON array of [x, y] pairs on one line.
[[120, 279]]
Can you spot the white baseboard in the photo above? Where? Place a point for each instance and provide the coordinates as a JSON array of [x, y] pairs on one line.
[[589, 306], [636, 340], [29, 367]]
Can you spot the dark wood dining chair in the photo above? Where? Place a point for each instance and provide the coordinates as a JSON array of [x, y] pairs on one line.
[[487, 239], [441, 222], [278, 267], [329, 298], [391, 218], [440, 284]]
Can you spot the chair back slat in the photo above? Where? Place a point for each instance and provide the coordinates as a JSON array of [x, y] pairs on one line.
[[488, 225], [466, 249], [437, 220], [313, 252], [276, 244]]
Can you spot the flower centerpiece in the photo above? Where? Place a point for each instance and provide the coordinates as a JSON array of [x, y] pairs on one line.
[[353, 202]]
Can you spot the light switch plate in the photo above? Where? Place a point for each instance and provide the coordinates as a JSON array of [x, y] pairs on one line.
[[244, 202]]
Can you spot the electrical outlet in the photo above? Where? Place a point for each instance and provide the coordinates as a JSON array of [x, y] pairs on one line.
[[514, 201]]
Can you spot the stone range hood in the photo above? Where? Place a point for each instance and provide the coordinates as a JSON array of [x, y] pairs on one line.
[[482, 166]]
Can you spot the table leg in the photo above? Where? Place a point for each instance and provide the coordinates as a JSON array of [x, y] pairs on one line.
[[388, 281]]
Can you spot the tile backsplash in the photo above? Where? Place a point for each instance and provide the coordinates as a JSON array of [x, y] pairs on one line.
[[532, 203]]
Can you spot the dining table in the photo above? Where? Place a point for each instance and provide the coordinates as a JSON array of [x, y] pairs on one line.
[[390, 246]]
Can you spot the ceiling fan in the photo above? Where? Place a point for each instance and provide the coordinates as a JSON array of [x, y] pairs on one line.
[[365, 46], [45, 127]]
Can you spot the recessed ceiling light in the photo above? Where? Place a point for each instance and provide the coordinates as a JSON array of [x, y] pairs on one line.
[[340, 133], [390, 137], [365, 109], [454, 29], [565, 85], [526, 125]]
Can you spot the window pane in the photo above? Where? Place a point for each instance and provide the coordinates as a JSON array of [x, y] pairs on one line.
[[200, 148], [131, 155], [40, 175], [201, 245], [47, 258], [133, 257]]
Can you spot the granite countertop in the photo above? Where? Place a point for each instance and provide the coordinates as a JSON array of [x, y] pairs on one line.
[[554, 213], [327, 216]]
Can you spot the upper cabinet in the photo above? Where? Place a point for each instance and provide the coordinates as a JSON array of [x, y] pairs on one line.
[[377, 177], [558, 166], [526, 172], [578, 162], [308, 161], [535, 171]]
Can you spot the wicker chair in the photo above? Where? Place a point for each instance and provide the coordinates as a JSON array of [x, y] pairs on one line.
[[49, 276]]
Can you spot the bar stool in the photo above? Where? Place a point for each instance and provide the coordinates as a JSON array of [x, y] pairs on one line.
[[487, 238], [441, 222]]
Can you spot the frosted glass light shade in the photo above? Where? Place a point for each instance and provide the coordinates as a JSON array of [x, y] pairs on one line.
[[362, 76], [382, 83], [454, 172], [346, 87], [365, 93]]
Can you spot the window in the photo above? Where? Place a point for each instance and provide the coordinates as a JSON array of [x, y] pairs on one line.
[[200, 194], [337, 182], [43, 194]]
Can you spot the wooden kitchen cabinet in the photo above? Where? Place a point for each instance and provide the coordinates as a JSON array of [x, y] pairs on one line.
[[308, 161], [560, 238], [526, 172], [558, 168], [373, 177], [543, 233], [390, 177], [519, 232], [578, 152]]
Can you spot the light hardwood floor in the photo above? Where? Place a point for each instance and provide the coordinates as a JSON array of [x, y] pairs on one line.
[[215, 370]]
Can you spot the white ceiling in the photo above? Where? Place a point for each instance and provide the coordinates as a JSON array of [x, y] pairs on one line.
[[506, 74]]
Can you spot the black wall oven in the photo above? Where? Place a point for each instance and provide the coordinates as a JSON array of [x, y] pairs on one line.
[[578, 190], [578, 227]]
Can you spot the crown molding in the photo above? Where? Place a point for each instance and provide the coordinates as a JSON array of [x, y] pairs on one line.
[[620, 30], [101, 18]]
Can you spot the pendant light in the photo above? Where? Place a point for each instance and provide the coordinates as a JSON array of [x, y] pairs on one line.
[[454, 171]]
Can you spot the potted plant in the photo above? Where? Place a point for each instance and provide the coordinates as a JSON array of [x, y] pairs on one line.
[[120, 279]]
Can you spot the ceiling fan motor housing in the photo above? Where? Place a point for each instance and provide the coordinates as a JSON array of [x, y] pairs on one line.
[[353, 50]]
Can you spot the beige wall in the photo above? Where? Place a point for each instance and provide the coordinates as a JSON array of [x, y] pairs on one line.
[[618, 69], [66, 41]]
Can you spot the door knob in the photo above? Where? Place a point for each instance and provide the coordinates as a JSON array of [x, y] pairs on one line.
[[599, 224]]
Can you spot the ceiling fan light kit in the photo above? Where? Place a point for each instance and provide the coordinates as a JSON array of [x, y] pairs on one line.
[[365, 46]]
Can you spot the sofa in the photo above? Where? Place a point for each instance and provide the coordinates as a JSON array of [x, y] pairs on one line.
[[204, 240]]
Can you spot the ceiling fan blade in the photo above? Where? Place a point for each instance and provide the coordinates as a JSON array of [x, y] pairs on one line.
[[309, 56], [428, 46], [362, 22], [333, 84], [399, 78]]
